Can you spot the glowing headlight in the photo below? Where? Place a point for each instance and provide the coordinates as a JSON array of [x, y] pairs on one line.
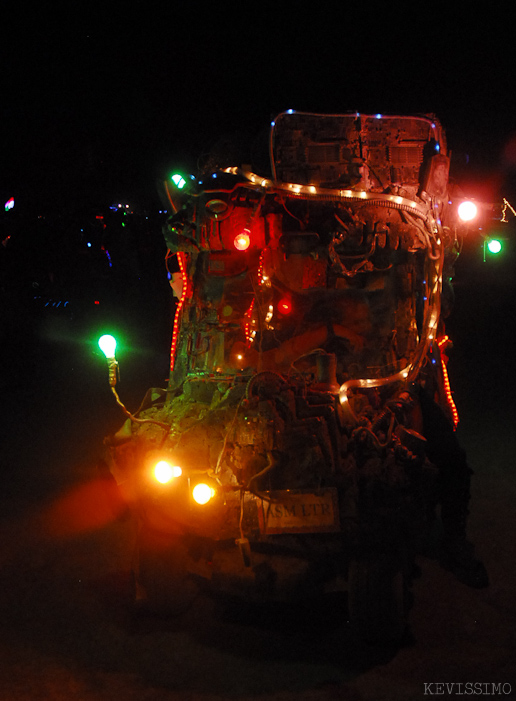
[[164, 471], [202, 493]]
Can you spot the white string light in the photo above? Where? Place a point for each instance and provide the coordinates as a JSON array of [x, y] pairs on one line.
[[507, 206]]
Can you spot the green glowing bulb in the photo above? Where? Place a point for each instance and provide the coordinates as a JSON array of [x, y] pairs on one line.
[[494, 246], [107, 345], [178, 181]]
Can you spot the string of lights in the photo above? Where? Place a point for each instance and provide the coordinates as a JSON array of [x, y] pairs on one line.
[[446, 382], [181, 259], [507, 206]]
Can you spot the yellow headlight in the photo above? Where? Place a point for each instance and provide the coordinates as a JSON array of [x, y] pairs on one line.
[[202, 493], [164, 471]]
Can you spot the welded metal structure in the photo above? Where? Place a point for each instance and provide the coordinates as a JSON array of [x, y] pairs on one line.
[[309, 318]]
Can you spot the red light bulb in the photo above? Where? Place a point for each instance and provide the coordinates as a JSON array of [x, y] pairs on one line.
[[467, 211], [242, 241], [285, 305]]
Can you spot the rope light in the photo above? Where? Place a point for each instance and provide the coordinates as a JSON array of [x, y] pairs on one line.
[[181, 259], [311, 191], [248, 331], [506, 206], [446, 382]]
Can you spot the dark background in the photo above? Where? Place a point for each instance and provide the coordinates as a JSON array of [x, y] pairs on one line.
[[101, 101]]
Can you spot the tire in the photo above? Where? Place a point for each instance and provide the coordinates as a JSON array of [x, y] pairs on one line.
[[163, 584], [377, 598]]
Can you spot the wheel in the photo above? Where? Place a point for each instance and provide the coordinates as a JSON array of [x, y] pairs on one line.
[[377, 598], [163, 584]]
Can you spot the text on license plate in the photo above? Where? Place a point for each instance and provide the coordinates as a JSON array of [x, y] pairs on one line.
[[291, 512]]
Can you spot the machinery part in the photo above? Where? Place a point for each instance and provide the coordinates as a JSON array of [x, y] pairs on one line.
[[162, 581], [264, 384]]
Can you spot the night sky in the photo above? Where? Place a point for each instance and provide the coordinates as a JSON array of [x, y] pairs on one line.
[[101, 100]]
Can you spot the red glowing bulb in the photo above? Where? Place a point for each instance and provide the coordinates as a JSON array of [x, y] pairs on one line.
[[285, 306], [242, 241]]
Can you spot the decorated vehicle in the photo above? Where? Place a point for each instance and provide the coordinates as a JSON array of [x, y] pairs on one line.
[[294, 446]]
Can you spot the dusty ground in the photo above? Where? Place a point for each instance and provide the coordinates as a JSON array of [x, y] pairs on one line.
[[65, 630]]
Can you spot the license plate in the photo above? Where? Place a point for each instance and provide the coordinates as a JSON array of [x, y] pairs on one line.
[[299, 512]]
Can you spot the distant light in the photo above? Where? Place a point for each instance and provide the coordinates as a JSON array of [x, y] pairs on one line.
[[88, 244], [290, 111], [378, 116]]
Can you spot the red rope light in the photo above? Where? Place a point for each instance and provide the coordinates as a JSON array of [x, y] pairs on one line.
[[247, 328], [181, 258], [446, 382], [263, 279]]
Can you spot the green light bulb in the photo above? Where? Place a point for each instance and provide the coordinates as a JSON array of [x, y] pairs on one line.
[[178, 181], [494, 246], [107, 345]]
